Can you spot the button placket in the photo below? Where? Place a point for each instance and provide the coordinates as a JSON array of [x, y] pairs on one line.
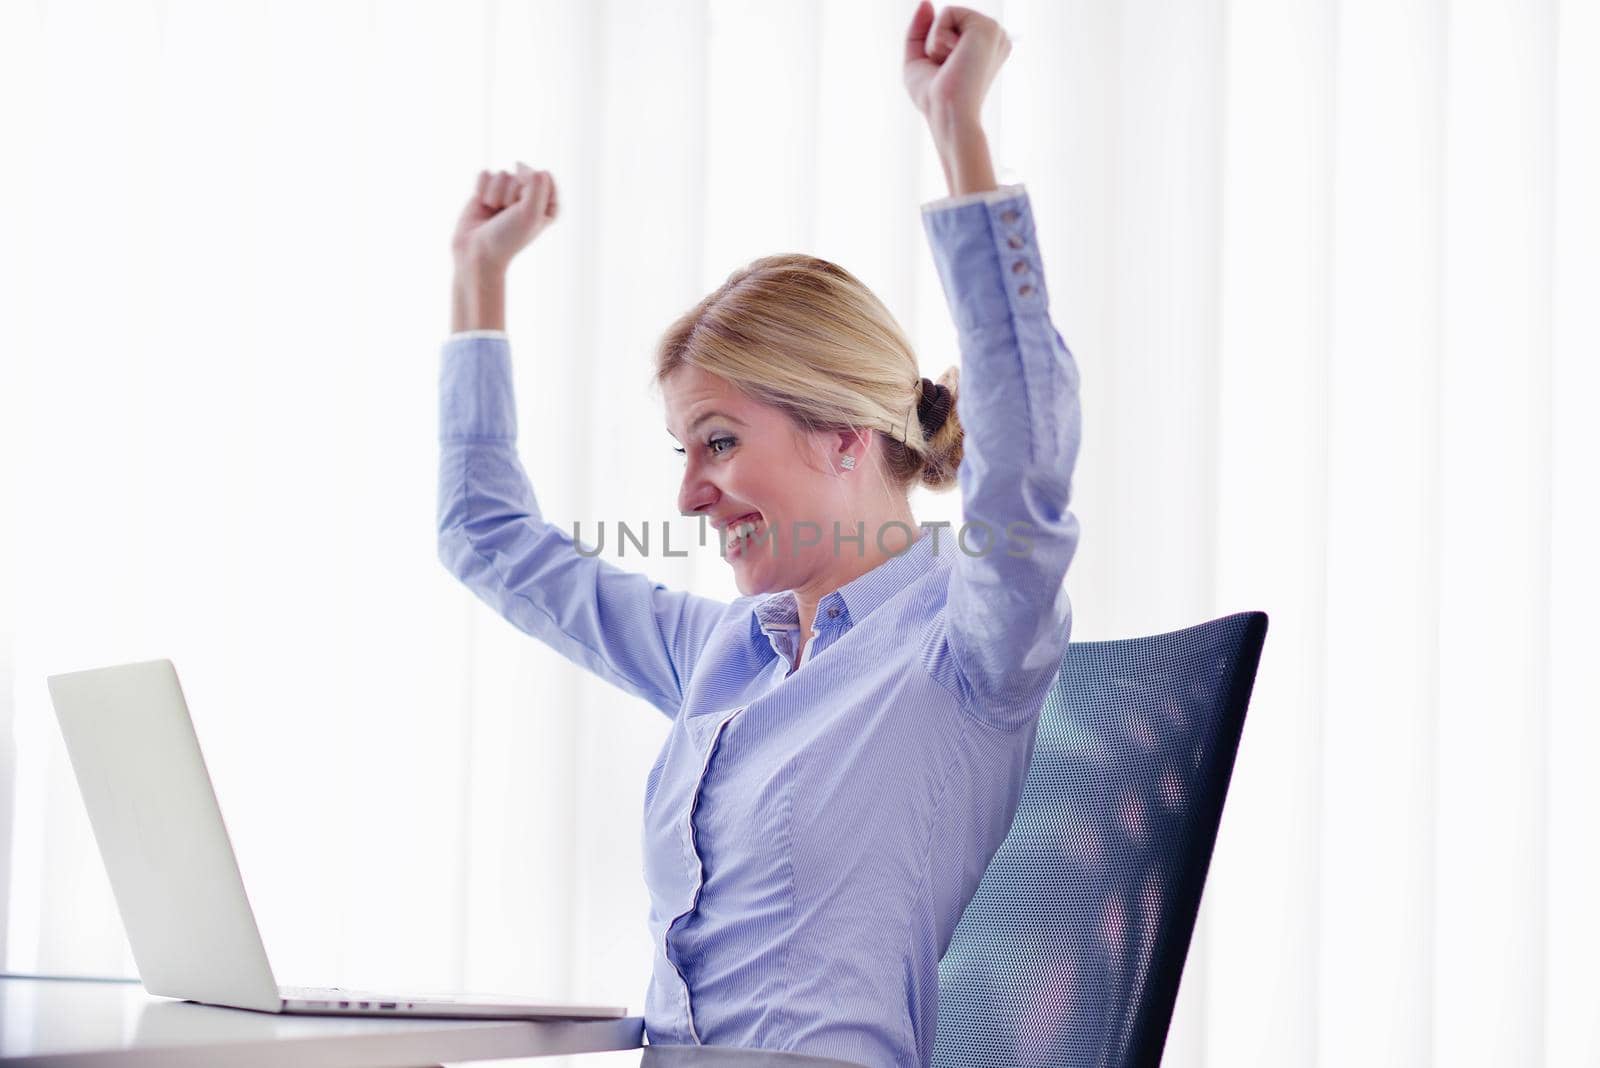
[[833, 611], [699, 874]]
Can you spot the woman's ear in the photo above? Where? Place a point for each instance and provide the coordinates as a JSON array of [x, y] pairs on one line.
[[854, 443]]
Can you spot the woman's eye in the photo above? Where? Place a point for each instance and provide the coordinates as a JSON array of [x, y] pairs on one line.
[[712, 445]]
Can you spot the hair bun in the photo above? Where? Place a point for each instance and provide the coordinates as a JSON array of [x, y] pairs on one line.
[[933, 406]]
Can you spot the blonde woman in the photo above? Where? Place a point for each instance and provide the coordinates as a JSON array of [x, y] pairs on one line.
[[850, 735]]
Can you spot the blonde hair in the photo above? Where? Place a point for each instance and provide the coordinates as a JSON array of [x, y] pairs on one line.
[[806, 336]]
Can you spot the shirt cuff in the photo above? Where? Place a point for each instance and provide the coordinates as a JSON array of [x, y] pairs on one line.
[[986, 196], [987, 259], [476, 400], [501, 334]]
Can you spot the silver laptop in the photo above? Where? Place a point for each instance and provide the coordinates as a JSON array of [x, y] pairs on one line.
[[173, 870]]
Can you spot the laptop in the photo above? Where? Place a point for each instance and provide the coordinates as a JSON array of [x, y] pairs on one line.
[[174, 873]]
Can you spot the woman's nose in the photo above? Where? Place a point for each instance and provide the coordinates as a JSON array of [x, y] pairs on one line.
[[695, 494]]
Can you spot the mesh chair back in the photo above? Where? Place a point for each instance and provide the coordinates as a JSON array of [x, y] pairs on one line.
[[1071, 949]]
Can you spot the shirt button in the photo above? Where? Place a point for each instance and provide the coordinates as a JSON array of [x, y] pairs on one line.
[[1024, 289], [1019, 266], [1014, 241], [833, 613], [1008, 216]]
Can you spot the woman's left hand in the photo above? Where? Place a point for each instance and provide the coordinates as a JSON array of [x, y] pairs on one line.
[[950, 62]]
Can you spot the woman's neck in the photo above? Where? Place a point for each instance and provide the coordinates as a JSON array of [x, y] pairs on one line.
[[883, 539]]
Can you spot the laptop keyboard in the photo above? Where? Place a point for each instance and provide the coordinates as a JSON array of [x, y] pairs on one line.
[[338, 993]]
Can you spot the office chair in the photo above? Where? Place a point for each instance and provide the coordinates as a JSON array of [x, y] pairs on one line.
[[1071, 949]]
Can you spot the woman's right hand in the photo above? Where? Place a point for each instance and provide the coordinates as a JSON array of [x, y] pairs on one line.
[[503, 215]]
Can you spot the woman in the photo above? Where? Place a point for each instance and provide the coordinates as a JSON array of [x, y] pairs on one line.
[[822, 810]]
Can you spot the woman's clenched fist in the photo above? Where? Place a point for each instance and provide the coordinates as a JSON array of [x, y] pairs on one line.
[[951, 60], [504, 214]]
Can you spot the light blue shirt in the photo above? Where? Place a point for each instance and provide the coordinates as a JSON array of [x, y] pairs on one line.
[[812, 838]]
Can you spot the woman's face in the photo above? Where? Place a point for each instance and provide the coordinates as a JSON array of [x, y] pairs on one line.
[[746, 460]]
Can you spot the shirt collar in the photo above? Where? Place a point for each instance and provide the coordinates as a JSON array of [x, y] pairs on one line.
[[855, 600]]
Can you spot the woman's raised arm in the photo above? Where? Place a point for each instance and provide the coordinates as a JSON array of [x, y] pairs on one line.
[[619, 624], [999, 643]]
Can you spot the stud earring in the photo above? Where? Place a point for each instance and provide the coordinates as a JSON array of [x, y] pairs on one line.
[[847, 462]]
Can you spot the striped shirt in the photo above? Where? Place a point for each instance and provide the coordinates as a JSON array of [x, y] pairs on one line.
[[813, 834]]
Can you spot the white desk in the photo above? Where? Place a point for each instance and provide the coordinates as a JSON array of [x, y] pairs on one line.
[[57, 1023]]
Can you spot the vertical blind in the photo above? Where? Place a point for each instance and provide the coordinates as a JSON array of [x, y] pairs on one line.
[[1327, 268]]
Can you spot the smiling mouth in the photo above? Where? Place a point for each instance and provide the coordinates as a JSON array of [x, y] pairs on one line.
[[740, 532]]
